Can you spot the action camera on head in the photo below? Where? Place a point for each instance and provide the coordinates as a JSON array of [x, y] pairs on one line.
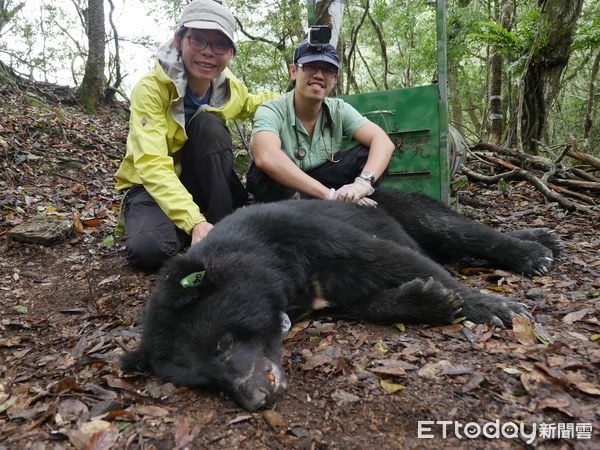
[[319, 35]]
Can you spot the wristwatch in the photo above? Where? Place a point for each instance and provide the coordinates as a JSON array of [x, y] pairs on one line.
[[368, 176]]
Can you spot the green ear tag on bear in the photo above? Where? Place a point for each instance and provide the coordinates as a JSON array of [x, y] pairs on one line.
[[193, 279]]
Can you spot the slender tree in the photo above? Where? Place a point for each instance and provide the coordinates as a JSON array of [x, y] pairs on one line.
[[542, 79], [91, 91], [589, 115], [497, 63]]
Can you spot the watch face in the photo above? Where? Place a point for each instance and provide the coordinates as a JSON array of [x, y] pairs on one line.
[[368, 176]]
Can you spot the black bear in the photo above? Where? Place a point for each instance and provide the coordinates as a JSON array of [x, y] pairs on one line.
[[219, 314]]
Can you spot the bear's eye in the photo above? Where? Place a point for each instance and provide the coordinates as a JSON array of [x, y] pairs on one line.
[[225, 343]]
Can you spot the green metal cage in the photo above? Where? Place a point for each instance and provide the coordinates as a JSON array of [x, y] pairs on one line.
[[416, 119]]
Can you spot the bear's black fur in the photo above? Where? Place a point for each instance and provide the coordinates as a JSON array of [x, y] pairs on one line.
[[299, 256]]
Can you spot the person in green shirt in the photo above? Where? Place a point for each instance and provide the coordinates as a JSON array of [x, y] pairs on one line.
[[297, 138]]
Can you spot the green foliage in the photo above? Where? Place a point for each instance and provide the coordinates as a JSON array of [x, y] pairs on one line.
[[494, 34], [50, 39], [588, 36]]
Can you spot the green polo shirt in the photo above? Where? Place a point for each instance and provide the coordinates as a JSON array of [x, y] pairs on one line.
[[278, 116]]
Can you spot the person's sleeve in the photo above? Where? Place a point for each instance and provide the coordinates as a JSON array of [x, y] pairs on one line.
[[267, 118], [253, 101], [352, 120], [151, 159], [249, 102]]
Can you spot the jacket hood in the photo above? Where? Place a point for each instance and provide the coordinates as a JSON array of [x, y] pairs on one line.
[[168, 57]]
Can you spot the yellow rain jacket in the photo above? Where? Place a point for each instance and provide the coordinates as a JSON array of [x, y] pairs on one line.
[[157, 132]]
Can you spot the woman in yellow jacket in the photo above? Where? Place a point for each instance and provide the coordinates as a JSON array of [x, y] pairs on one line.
[[178, 169]]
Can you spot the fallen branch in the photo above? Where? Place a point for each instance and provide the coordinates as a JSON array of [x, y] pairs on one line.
[[587, 159], [537, 161], [583, 197], [497, 161], [520, 174], [490, 179], [583, 174], [578, 183]]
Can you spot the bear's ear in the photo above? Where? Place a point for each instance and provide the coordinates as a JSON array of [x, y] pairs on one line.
[[183, 283], [192, 280]]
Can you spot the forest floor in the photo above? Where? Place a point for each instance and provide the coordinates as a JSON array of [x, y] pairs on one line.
[[68, 311]]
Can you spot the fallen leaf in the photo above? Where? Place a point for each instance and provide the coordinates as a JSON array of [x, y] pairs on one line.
[[153, 411], [556, 403], [95, 426], [91, 222], [534, 382], [456, 370], [240, 418], [380, 346], [523, 331], [118, 383], [390, 388], [318, 360], [473, 383], [67, 384], [499, 289], [103, 440], [541, 334], [77, 225], [390, 367], [94, 435], [275, 420], [121, 415], [297, 328], [556, 375], [11, 341], [72, 410], [588, 388], [182, 432], [575, 316], [433, 369], [109, 279]]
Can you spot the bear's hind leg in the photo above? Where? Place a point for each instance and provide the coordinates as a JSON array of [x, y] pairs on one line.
[[544, 236], [447, 236], [416, 301]]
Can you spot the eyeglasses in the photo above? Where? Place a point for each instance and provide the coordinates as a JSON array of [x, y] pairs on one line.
[[311, 69], [199, 43]]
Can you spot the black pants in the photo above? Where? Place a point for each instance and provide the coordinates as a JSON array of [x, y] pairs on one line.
[[207, 173], [349, 164]]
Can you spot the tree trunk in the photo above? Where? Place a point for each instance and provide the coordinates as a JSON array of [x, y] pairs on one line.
[[589, 115], [331, 13], [116, 84], [91, 91], [543, 75], [383, 47], [496, 109]]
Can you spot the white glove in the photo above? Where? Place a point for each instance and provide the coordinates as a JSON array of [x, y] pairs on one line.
[[368, 202], [355, 191], [331, 194]]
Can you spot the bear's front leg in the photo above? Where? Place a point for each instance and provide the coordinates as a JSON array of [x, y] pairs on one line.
[[485, 308], [416, 301]]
